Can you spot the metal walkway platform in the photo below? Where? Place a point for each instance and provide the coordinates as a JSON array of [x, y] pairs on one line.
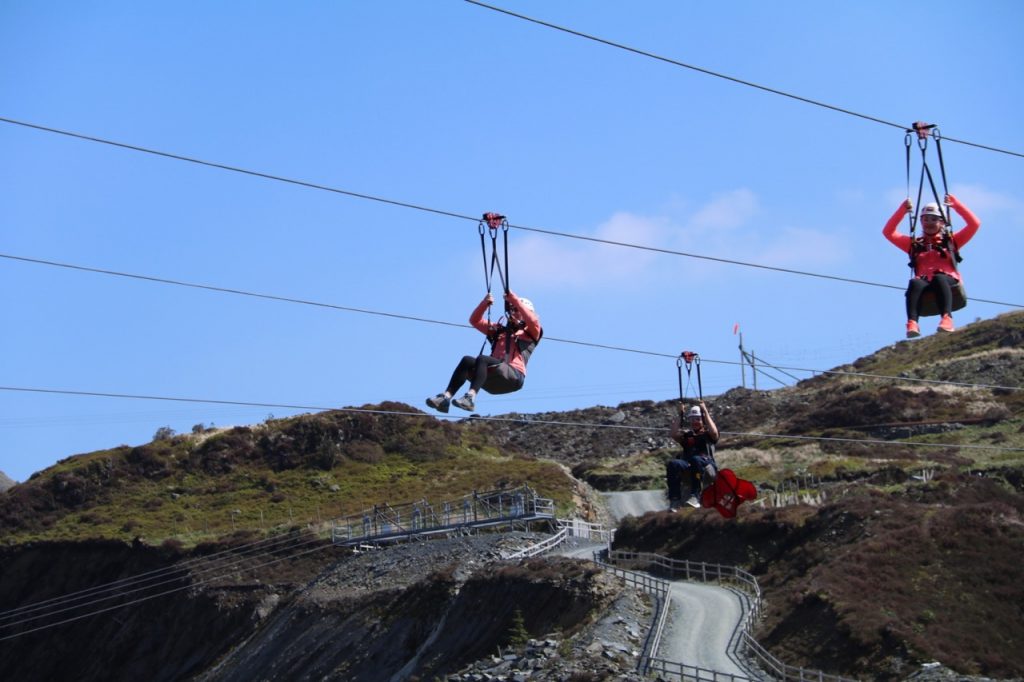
[[386, 523]]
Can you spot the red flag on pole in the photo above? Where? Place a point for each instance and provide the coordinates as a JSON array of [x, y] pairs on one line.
[[735, 328]]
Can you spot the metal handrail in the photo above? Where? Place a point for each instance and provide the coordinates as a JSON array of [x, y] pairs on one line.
[[690, 673], [657, 588], [706, 572], [541, 547], [387, 522]]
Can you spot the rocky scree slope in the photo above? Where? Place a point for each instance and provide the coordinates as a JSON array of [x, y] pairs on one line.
[[420, 610]]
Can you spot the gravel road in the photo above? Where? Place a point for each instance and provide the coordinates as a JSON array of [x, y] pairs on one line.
[[703, 618], [702, 622], [634, 502]]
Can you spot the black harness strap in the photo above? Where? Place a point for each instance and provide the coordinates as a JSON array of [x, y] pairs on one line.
[[923, 132], [494, 221], [679, 370], [945, 188], [525, 345], [689, 358], [942, 168], [911, 216]]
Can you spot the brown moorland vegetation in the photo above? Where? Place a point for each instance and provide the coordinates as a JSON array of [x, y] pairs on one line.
[[876, 581]]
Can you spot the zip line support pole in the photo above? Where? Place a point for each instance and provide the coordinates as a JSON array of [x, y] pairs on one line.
[[743, 364], [753, 368]]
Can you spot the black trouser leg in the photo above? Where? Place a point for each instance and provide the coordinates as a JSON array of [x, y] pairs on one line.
[[483, 363], [674, 470], [462, 373], [942, 285], [914, 291]]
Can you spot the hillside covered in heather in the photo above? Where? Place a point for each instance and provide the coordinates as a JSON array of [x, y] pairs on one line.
[[876, 553]]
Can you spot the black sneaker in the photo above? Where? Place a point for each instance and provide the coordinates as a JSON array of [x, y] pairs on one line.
[[465, 403], [674, 503], [439, 402]]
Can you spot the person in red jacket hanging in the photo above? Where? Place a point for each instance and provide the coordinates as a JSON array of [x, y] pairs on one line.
[[504, 369], [933, 256]]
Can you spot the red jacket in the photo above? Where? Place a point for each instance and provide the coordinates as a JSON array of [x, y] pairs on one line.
[[932, 258], [531, 331]]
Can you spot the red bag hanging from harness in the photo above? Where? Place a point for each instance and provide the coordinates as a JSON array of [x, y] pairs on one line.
[[727, 493]]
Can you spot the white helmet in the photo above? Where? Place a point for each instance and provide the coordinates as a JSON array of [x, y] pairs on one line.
[[695, 412], [526, 303]]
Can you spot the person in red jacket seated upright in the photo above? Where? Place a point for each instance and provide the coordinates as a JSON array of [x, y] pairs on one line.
[[504, 370], [933, 257]]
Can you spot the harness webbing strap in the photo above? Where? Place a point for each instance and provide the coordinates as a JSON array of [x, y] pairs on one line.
[[924, 131], [493, 222], [688, 359], [911, 215]]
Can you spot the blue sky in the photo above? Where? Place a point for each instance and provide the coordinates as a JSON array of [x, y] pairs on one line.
[[455, 107]]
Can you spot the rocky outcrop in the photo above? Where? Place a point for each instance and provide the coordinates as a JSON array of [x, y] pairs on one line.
[[6, 482]]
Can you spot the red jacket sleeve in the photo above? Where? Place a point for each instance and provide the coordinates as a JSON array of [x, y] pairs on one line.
[[476, 318], [902, 241], [965, 234]]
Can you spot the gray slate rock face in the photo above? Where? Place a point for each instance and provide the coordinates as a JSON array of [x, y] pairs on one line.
[[6, 482]]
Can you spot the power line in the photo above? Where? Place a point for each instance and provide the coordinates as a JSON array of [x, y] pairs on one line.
[[365, 311], [538, 230], [514, 420], [723, 76]]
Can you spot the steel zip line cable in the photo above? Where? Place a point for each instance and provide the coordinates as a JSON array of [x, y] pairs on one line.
[[286, 299], [234, 169], [51, 606], [160, 594], [122, 582], [452, 214], [365, 311], [222, 569], [512, 420], [774, 91]]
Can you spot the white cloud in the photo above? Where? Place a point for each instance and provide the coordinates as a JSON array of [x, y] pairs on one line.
[[575, 263], [726, 211], [802, 249], [724, 227], [982, 200]]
